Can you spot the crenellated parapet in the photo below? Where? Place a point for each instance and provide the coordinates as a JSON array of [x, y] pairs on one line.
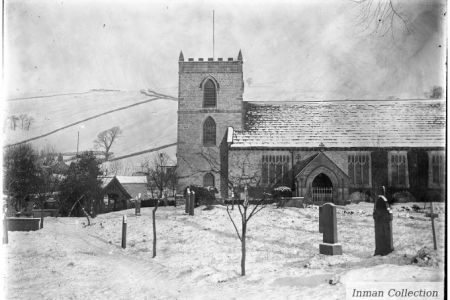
[[210, 64]]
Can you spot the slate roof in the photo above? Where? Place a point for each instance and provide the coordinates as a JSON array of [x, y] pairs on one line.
[[135, 185], [108, 182], [132, 179], [343, 124]]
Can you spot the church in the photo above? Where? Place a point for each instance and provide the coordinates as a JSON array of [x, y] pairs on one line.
[[334, 151]]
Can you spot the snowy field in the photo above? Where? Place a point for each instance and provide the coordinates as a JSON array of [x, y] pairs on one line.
[[198, 257]]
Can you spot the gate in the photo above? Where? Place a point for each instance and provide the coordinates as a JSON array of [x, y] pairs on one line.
[[322, 194]]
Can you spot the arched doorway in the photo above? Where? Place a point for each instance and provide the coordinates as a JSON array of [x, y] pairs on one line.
[[322, 189]]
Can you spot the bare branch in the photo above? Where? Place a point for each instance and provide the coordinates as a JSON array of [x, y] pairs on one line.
[[234, 225]]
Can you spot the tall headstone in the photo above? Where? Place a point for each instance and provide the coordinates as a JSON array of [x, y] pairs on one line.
[[187, 201], [330, 245], [191, 203], [382, 216]]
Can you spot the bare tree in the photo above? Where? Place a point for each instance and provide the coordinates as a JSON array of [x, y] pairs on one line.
[[105, 140], [13, 122], [381, 17], [160, 172], [28, 121], [159, 175], [115, 167], [245, 178], [22, 119]]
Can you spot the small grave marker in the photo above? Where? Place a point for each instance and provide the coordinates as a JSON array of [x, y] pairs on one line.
[[383, 226], [330, 245], [124, 232], [137, 210]]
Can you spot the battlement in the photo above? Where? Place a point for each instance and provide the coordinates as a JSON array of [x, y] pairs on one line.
[[210, 59], [210, 65]]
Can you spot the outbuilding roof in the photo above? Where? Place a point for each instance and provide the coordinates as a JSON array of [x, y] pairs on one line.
[[135, 185], [343, 124], [132, 179]]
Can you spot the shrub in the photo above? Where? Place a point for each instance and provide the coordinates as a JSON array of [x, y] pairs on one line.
[[203, 195], [281, 191]]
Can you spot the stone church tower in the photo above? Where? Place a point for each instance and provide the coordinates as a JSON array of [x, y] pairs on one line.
[[210, 98]]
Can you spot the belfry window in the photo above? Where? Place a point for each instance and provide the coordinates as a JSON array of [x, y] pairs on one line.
[[209, 94], [209, 132]]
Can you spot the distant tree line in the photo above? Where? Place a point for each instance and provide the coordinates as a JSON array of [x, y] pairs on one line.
[[22, 121]]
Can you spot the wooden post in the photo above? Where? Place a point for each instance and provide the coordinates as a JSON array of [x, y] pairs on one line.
[[5, 230], [192, 203], [42, 215], [432, 215], [124, 232]]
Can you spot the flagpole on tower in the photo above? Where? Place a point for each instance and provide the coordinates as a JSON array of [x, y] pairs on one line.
[[213, 33]]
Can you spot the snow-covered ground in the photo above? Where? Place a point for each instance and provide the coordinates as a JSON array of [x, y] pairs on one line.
[[198, 257]]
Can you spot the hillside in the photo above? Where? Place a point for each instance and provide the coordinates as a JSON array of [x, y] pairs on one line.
[[147, 120]]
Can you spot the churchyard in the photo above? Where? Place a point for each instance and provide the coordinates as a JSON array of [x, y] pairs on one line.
[[198, 256]]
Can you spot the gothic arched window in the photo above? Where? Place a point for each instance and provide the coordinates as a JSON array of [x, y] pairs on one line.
[[208, 180], [209, 132], [209, 94]]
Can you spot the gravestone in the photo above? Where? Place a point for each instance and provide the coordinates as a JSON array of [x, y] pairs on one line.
[[382, 216], [327, 218], [191, 203], [187, 202], [137, 210]]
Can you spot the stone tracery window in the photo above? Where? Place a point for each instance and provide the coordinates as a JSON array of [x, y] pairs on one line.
[[275, 170], [436, 169], [398, 169], [359, 169], [209, 132]]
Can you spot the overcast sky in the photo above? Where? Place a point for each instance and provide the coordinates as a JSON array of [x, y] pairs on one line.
[[293, 50]]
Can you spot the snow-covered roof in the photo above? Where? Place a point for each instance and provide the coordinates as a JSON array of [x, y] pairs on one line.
[[132, 179], [105, 180], [343, 124]]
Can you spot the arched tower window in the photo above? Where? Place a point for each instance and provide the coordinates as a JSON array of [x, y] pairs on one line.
[[208, 180], [209, 94], [209, 132]]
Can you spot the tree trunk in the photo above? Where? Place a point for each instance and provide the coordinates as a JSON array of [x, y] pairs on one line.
[[244, 229], [154, 228]]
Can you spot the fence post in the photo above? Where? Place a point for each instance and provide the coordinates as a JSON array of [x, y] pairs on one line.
[[124, 232], [432, 215]]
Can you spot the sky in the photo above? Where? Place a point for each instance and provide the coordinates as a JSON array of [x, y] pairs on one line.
[[292, 50]]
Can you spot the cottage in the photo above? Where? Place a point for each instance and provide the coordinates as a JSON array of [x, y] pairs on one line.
[[115, 196], [323, 150]]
